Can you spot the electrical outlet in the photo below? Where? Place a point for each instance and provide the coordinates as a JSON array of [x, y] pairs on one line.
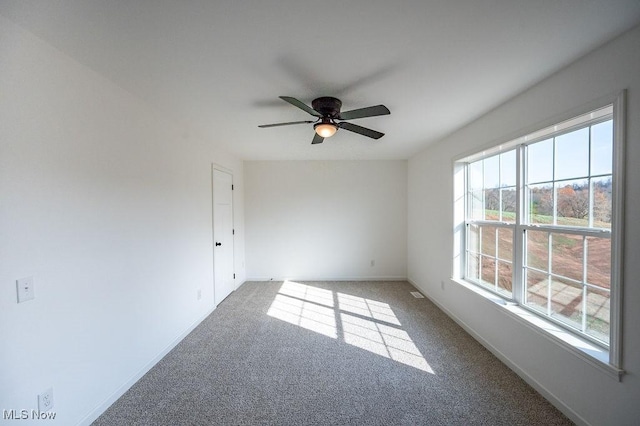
[[442, 284], [24, 287], [199, 294], [373, 263], [45, 400]]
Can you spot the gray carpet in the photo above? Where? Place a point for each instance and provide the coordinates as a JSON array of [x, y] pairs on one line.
[[329, 353]]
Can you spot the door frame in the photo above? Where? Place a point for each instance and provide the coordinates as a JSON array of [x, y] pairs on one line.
[[220, 168]]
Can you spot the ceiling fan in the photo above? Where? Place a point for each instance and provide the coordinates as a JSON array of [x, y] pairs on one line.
[[330, 119]]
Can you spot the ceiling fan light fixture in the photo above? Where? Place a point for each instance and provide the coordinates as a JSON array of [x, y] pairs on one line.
[[326, 130], [326, 110]]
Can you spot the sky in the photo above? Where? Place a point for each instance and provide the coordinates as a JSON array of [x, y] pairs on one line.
[[571, 156]]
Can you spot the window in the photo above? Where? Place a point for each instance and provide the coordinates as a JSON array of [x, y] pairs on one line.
[[491, 222], [542, 222]]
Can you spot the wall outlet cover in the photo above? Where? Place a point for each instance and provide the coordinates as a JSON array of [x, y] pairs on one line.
[[25, 290], [45, 400]]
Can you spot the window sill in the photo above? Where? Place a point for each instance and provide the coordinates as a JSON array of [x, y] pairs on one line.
[[582, 348]]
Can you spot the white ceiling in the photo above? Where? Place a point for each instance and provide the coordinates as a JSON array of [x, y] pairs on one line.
[[219, 66]]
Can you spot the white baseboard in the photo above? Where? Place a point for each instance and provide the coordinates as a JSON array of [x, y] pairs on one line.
[[102, 407], [326, 279], [548, 395]]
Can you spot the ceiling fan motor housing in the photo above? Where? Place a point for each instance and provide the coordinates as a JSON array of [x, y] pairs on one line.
[[327, 106]]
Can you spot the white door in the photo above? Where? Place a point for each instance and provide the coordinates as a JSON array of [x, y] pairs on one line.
[[223, 275]]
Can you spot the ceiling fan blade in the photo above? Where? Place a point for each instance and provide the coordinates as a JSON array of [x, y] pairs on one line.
[[301, 105], [264, 126], [361, 130], [371, 111], [317, 139]]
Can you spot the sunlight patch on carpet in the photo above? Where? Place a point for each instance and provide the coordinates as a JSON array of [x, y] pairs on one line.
[[364, 323], [304, 314]]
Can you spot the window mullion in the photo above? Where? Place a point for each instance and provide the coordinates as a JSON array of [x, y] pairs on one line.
[[496, 275], [518, 237], [500, 160], [554, 193], [590, 182], [549, 271], [591, 194], [484, 195], [584, 283], [480, 239]]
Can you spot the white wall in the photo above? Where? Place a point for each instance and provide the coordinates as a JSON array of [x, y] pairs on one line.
[[581, 390], [319, 220], [108, 206]]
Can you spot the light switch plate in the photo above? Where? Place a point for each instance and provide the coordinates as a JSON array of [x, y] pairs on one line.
[[24, 287]]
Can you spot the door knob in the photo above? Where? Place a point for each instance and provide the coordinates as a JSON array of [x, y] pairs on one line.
[[218, 244]]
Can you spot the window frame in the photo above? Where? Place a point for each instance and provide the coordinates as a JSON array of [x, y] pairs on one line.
[[524, 139]]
